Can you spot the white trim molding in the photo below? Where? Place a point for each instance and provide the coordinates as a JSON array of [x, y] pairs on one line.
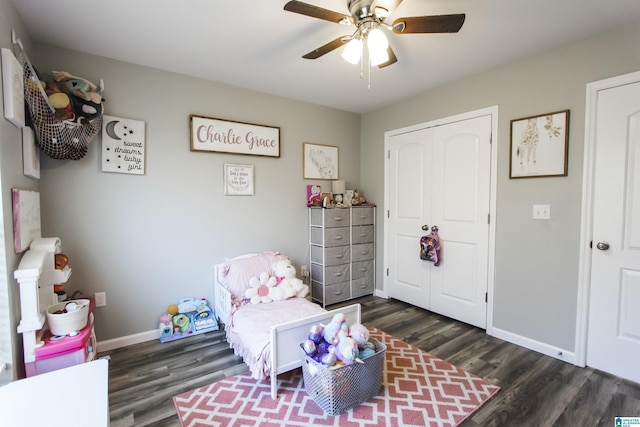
[[114, 343], [540, 347]]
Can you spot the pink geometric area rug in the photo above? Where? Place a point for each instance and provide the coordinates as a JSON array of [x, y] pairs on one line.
[[418, 389]]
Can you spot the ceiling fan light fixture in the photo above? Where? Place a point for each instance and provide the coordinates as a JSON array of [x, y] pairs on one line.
[[381, 12], [353, 51], [377, 44]]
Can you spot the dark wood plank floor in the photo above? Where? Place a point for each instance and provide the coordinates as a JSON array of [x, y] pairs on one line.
[[537, 390]]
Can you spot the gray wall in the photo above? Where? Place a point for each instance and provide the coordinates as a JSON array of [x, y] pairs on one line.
[[150, 240], [536, 261], [10, 177]]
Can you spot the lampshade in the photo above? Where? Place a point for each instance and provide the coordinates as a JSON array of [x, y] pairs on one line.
[[353, 51], [377, 44], [338, 187]]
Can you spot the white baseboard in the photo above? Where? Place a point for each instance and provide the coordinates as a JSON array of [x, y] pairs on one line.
[[381, 293], [114, 343], [546, 349]]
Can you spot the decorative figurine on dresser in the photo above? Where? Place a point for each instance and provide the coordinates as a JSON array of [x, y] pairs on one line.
[[342, 250]]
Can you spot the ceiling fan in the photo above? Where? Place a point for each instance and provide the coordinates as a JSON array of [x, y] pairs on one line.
[[368, 16]]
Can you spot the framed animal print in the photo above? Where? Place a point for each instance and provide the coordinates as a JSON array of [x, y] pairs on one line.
[[540, 146], [319, 161]]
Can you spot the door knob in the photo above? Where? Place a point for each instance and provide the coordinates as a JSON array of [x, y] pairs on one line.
[[603, 246]]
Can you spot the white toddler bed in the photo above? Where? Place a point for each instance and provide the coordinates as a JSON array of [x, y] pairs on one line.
[[266, 336]]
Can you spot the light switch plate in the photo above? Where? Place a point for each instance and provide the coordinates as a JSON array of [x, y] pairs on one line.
[[541, 211]]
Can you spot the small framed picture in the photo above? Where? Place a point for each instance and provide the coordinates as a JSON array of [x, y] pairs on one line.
[[540, 146], [13, 89], [238, 180], [320, 161], [30, 154]]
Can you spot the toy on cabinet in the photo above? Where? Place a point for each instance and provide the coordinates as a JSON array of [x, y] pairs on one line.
[[191, 316]]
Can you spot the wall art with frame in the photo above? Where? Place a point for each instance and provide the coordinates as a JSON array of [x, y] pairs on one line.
[[540, 146], [238, 180], [319, 161]]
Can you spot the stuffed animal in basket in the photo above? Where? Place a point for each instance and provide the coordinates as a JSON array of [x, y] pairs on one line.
[[338, 324], [285, 274]]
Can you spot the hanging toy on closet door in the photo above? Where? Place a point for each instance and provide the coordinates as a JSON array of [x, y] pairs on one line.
[[430, 246]]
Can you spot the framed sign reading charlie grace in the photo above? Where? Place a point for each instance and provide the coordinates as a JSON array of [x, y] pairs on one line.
[[224, 136]]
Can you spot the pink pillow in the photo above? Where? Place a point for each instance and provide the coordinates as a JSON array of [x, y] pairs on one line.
[[238, 271]]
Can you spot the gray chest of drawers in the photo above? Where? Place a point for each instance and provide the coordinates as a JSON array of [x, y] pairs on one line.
[[342, 253]]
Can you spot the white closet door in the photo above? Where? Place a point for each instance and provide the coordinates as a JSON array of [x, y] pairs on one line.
[[440, 176]]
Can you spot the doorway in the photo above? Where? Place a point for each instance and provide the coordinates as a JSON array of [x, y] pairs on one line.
[[442, 174], [609, 284]]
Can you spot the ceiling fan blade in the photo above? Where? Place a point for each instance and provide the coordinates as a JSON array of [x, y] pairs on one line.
[[429, 24], [315, 11], [392, 58], [322, 50]]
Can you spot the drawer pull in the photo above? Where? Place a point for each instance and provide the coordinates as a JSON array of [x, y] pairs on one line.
[[363, 234], [362, 269], [337, 274], [337, 218], [338, 293], [339, 256], [338, 237]]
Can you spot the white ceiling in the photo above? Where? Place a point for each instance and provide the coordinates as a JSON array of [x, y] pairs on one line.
[[256, 44]]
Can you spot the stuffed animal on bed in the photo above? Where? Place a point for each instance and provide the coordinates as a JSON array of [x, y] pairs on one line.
[[285, 274], [263, 289]]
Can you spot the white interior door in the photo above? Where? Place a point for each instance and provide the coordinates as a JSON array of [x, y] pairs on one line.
[[410, 158], [440, 176], [613, 343]]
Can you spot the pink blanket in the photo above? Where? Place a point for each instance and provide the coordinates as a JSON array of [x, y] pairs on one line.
[[249, 328]]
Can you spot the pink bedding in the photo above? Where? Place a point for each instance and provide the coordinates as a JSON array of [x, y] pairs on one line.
[[248, 330]]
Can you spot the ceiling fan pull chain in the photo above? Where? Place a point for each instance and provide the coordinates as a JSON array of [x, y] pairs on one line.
[[369, 75]]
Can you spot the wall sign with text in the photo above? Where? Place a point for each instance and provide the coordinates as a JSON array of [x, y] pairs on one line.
[[238, 180], [123, 145], [209, 134]]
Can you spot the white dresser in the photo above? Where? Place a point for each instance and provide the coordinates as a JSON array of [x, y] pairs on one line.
[[342, 253]]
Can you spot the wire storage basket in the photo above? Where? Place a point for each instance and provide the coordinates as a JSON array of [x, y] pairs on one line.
[[337, 390], [59, 139]]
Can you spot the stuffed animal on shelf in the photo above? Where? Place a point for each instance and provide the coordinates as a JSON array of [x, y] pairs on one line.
[[285, 274], [263, 289]]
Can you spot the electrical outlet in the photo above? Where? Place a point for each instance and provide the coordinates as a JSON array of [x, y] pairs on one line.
[[304, 271], [101, 299]]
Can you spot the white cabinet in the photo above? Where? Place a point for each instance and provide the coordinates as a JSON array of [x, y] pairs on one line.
[[342, 253]]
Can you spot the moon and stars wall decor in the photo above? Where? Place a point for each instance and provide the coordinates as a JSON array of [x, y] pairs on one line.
[[123, 145]]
